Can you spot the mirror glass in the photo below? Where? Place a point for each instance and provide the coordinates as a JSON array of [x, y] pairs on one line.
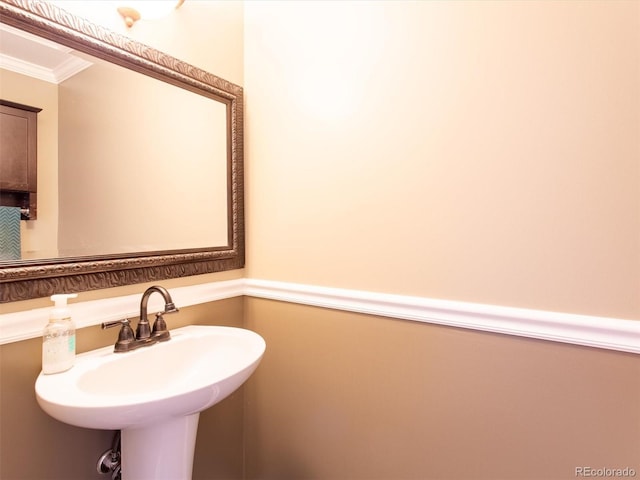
[[140, 158], [133, 163]]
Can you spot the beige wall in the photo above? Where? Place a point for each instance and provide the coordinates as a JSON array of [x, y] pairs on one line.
[[348, 396], [39, 237], [345, 396], [475, 151], [445, 149]]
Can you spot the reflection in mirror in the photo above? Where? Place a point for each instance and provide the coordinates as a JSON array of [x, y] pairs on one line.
[[140, 161], [143, 155], [110, 171]]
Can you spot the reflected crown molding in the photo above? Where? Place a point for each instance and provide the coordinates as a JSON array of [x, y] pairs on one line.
[[38, 58]]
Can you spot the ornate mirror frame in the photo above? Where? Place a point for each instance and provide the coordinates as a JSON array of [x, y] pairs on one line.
[[41, 278]]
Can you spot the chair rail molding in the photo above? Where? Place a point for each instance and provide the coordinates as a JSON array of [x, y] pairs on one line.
[[591, 331], [27, 324]]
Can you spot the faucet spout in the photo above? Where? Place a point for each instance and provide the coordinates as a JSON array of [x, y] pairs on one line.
[[144, 336], [160, 332]]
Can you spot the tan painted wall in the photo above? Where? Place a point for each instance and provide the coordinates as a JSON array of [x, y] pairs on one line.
[[39, 237], [34, 446], [347, 396], [476, 151], [452, 187], [344, 396]]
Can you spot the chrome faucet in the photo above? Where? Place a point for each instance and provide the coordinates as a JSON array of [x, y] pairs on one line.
[[145, 335]]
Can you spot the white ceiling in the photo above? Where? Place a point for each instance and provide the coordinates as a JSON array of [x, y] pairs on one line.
[[36, 57]]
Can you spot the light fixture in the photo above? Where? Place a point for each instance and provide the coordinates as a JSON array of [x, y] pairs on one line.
[[148, 9]]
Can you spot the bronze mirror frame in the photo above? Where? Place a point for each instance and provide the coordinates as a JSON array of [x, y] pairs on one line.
[[41, 278]]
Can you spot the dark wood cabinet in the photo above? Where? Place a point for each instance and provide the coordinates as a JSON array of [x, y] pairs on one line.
[[19, 157]]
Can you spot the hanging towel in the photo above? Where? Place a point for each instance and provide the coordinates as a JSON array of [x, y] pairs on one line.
[[9, 233]]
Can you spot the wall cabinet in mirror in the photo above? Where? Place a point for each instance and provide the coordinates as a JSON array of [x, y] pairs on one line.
[[19, 157], [76, 268]]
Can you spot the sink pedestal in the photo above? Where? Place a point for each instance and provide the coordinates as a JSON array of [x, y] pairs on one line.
[[161, 451]]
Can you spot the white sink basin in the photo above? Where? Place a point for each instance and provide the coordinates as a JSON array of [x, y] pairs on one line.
[[151, 389], [197, 368]]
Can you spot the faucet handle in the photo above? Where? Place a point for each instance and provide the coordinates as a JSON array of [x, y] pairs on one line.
[[115, 323], [160, 330], [126, 336]]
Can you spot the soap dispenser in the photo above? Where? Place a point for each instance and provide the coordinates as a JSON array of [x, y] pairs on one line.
[[59, 337]]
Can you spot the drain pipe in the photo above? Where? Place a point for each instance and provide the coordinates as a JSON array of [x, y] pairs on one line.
[[109, 461]]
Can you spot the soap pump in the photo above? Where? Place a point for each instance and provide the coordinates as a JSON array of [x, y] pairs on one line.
[[59, 337]]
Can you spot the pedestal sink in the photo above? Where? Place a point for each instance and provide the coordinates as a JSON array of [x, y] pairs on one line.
[[154, 395]]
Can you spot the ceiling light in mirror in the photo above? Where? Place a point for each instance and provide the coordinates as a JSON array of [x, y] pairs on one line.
[[149, 10]]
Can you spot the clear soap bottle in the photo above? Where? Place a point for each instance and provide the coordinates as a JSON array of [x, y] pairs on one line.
[[59, 337]]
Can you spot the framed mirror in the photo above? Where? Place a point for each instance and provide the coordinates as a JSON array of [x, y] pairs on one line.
[[176, 207]]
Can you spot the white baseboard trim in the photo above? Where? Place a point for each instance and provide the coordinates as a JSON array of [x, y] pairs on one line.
[[600, 332]]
